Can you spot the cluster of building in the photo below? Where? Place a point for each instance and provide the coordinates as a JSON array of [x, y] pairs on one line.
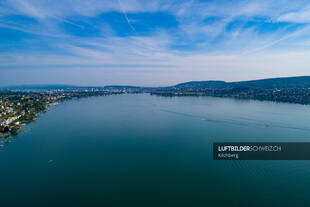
[[19, 107], [10, 114], [10, 120], [7, 113]]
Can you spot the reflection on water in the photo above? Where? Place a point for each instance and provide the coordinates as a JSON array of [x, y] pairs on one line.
[[240, 121], [8, 140]]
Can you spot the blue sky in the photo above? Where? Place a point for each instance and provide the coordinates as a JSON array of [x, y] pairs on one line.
[[156, 42]]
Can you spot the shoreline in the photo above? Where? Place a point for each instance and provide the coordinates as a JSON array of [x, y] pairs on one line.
[[19, 108], [14, 127]]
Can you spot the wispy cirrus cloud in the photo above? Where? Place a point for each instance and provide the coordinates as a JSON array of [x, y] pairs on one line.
[[187, 38], [300, 16]]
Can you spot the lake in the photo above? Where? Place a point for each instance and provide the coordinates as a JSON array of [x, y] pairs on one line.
[[143, 150]]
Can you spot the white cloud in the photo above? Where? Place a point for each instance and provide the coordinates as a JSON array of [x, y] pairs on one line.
[[217, 53], [302, 16], [67, 8]]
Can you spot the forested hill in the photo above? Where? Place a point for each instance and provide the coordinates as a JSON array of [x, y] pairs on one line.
[[301, 82], [271, 83]]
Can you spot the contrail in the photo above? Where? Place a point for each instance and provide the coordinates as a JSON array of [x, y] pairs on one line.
[[69, 22], [126, 17], [270, 44]]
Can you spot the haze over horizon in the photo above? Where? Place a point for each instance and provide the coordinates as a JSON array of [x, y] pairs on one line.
[[153, 43]]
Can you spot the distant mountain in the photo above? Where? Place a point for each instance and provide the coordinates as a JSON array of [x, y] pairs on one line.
[[130, 88], [203, 84], [271, 83], [280, 83], [120, 87], [45, 87], [66, 87], [290, 90]]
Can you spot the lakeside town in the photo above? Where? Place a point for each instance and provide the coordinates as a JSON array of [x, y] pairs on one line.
[[298, 96], [21, 107]]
